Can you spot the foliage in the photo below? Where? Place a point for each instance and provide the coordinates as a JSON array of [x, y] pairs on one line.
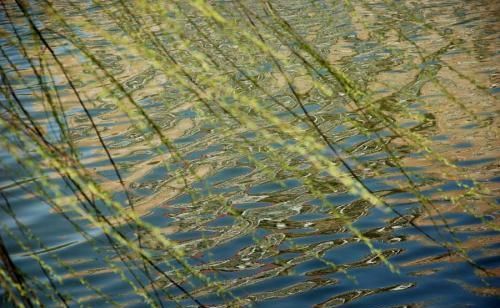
[[274, 98]]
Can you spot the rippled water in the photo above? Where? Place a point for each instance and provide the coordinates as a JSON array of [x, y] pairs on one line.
[[260, 230]]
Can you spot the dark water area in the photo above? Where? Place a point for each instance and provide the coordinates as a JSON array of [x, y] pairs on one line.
[[248, 219]]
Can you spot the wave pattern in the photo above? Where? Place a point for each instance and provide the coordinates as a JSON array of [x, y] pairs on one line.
[[250, 214]]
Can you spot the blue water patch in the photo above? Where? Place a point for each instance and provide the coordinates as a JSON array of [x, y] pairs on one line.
[[191, 235], [188, 113], [222, 221], [472, 162], [269, 285], [450, 186], [469, 126], [223, 176], [341, 199], [463, 145], [495, 179], [309, 266], [271, 187], [354, 140], [309, 108], [265, 67], [256, 156], [228, 249], [375, 184], [251, 205], [191, 138], [494, 90], [200, 153], [347, 253], [201, 193], [159, 173]]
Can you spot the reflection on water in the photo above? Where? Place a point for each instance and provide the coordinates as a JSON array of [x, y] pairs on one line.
[[249, 220]]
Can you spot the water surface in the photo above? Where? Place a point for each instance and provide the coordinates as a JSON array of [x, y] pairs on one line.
[[247, 218]]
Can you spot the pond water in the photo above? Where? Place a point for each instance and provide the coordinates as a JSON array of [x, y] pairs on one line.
[[247, 216]]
